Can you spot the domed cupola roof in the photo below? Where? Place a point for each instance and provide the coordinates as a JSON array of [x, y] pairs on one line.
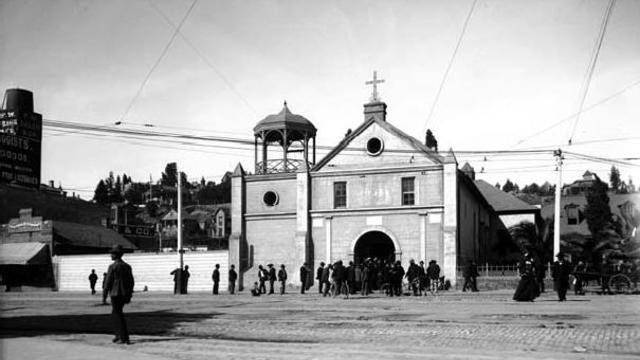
[[296, 125]]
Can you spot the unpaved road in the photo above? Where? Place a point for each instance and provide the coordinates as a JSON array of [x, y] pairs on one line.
[[452, 325]]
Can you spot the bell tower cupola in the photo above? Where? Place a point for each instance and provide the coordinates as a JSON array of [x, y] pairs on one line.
[[289, 132]]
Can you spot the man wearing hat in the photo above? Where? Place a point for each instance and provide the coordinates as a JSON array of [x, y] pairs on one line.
[[272, 277], [119, 285], [560, 273]]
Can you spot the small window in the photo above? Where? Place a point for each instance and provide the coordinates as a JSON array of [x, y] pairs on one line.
[[408, 191], [572, 215], [339, 194], [270, 198], [374, 146]]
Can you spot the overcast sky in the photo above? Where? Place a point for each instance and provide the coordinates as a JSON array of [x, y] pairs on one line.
[[519, 69]]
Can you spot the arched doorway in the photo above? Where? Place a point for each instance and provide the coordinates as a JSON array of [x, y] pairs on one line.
[[374, 244]]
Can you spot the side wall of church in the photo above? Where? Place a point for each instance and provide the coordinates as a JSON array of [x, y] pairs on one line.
[[270, 231]]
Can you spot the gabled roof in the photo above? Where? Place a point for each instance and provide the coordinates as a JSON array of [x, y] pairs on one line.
[[500, 200], [388, 127], [89, 236]]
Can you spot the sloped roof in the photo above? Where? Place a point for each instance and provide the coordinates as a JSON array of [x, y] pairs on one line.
[[89, 236], [500, 200], [285, 119], [415, 143], [23, 253]]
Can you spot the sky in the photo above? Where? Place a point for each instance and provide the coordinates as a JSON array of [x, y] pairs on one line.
[[519, 69]]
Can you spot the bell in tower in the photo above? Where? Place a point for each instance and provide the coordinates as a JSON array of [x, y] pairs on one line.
[[292, 134]]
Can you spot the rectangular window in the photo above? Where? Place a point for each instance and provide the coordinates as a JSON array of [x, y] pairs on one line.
[[408, 191], [572, 215], [339, 194]]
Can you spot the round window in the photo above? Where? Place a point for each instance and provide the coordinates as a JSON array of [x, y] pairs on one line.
[[374, 146], [270, 198]]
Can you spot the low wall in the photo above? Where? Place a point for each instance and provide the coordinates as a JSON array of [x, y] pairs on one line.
[[150, 270]]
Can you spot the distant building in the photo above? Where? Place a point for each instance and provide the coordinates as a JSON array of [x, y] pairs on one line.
[[28, 242], [573, 203]]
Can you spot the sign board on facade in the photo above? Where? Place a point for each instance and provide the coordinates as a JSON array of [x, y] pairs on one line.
[[135, 230], [20, 148]]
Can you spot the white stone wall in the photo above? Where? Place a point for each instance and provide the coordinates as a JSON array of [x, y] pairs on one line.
[[151, 270]]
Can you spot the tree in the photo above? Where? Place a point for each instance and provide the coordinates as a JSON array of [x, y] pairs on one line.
[[614, 179], [531, 189], [101, 194], [170, 175], [431, 141], [604, 234], [508, 186]]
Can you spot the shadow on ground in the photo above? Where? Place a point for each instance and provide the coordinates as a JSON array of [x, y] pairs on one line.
[[143, 323]]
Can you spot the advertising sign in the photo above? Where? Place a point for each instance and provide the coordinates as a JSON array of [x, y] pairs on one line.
[[135, 230], [20, 148]]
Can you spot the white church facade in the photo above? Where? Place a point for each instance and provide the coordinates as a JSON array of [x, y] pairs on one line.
[[379, 193]]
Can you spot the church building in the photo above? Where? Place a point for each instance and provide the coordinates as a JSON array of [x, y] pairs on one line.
[[379, 193]]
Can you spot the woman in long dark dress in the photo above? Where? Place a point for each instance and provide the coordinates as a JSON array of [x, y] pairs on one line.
[[527, 289]]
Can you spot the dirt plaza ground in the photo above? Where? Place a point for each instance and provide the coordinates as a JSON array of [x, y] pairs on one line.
[[451, 325]]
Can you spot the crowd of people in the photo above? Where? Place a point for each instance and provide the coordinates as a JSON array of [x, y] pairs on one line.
[[364, 278]]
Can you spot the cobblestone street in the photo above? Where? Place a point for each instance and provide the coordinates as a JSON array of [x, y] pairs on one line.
[[452, 325]]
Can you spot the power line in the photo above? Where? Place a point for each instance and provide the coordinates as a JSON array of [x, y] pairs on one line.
[[449, 65], [592, 64], [205, 59], [590, 107], [157, 62]]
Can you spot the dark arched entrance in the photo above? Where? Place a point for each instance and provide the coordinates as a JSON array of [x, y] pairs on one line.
[[374, 244]]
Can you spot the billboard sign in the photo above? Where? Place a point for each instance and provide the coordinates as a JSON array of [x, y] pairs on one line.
[[20, 148]]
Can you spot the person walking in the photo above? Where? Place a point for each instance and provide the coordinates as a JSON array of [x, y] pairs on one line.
[[272, 277], [528, 288], [105, 293], [215, 276], [578, 273], [470, 272], [560, 274], [93, 279], [233, 276], [319, 277], [364, 279], [185, 279], [177, 280], [304, 274], [326, 276], [262, 277], [433, 274], [351, 277], [423, 278], [282, 278], [119, 285], [413, 276]]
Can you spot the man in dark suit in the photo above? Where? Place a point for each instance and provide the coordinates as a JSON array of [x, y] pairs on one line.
[[304, 273], [119, 285], [560, 273], [216, 279], [233, 276], [319, 277], [272, 277], [282, 278], [93, 278]]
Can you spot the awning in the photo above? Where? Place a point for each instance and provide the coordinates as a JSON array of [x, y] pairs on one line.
[[31, 253]]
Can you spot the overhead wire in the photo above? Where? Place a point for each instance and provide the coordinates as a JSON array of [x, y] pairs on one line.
[[449, 65], [163, 53], [202, 57], [592, 64]]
